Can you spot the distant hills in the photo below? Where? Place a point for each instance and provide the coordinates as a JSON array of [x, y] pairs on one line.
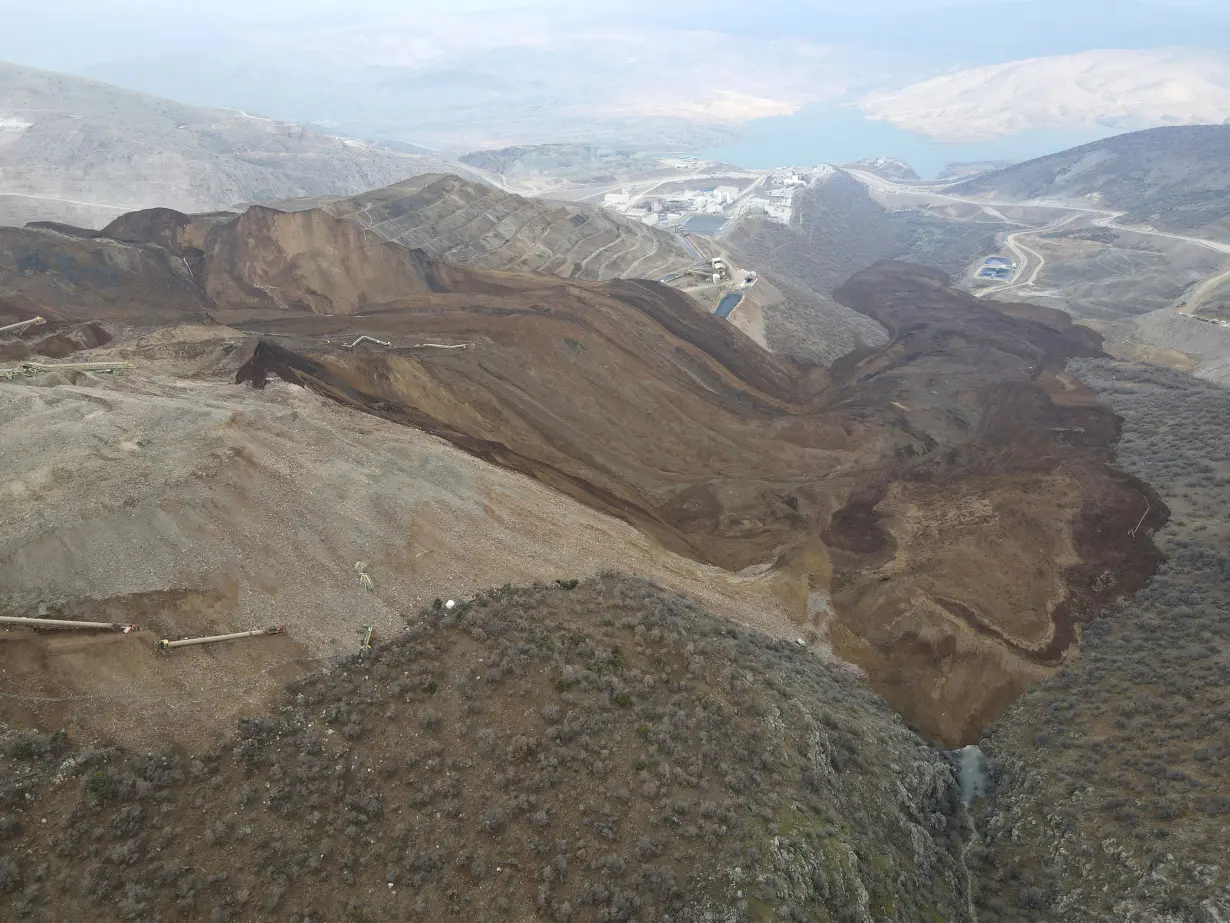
[[888, 167], [577, 162], [1175, 178], [83, 152]]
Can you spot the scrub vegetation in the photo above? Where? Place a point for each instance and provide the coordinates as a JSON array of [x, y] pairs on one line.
[[583, 751]]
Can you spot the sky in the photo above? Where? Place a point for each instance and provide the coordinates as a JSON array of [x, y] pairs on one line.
[[466, 73], [72, 34]]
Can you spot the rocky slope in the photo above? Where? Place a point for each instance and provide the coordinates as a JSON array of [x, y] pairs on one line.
[[481, 226], [84, 152], [1176, 179]]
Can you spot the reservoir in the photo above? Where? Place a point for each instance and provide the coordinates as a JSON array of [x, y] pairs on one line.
[[830, 133]]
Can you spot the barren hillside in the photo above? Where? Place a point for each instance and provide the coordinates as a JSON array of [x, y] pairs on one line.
[[1172, 178], [481, 226], [84, 152], [577, 163], [839, 230], [175, 499]]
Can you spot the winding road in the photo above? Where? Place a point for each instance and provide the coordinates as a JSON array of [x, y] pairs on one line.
[[1031, 260]]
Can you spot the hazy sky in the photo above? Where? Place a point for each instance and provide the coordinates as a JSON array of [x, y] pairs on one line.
[[493, 72], [80, 33]]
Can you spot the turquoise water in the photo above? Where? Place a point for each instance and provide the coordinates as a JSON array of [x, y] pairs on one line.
[[839, 134]]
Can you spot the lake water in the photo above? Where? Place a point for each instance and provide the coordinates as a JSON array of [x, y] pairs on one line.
[[839, 134]]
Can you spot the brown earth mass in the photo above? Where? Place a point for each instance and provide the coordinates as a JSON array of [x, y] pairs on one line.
[[947, 500]]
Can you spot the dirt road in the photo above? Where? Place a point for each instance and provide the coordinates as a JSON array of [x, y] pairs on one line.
[[1105, 218], [1031, 261], [1191, 304]]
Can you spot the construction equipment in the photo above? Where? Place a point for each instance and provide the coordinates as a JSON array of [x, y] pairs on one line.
[[715, 271], [22, 325], [165, 646], [35, 368], [65, 623]]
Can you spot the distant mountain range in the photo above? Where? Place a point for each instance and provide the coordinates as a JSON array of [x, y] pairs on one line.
[[79, 151]]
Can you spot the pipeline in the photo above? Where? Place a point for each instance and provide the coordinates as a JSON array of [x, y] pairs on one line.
[[366, 339], [164, 645], [22, 325], [65, 623], [32, 368]]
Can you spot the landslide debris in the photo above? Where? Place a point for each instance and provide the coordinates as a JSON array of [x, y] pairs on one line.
[[941, 508], [601, 751], [947, 501], [171, 498]]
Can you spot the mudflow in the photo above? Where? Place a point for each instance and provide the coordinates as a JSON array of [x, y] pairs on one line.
[[942, 510]]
